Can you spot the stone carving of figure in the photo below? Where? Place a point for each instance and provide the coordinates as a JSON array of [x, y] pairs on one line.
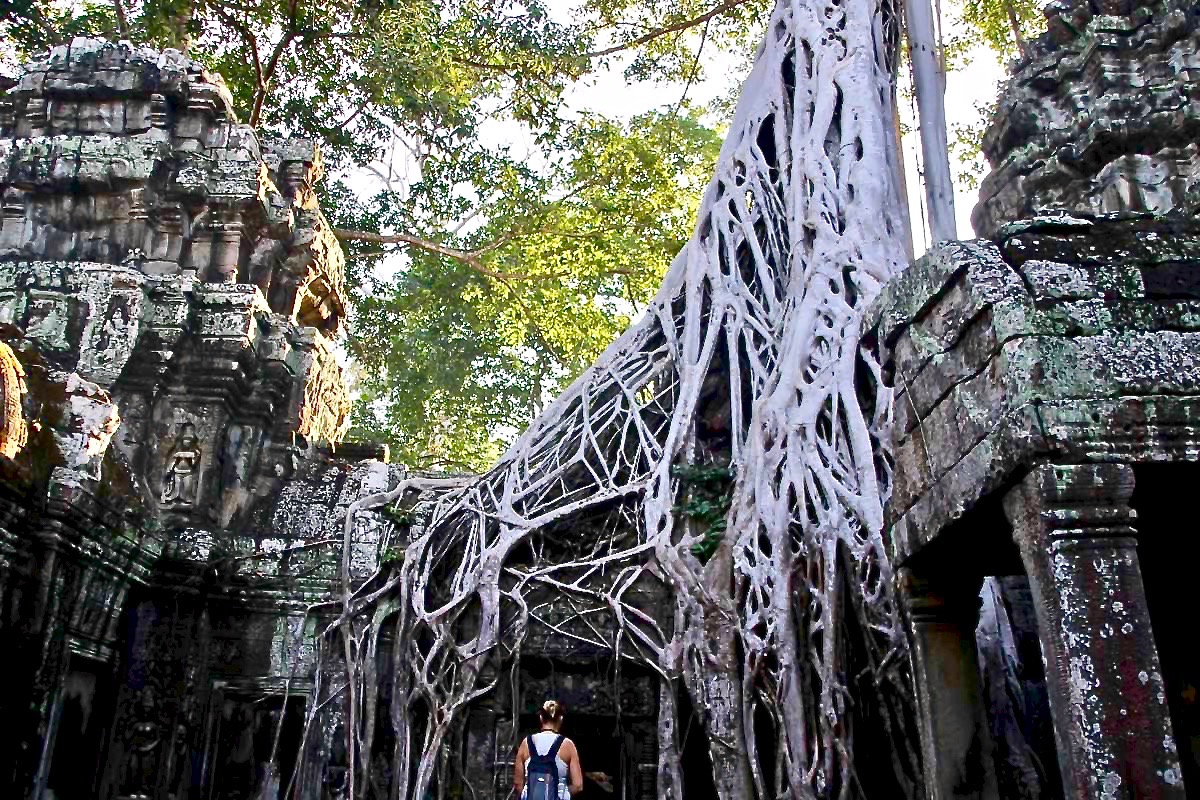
[[183, 469], [181, 750], [38, 243], [115, 330], [142, 739]]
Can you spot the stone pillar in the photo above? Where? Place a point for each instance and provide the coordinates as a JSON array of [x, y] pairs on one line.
[[226, 248], [1074, 527], [956, 744]]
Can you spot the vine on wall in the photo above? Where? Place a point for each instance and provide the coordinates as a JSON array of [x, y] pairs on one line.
[[706, 496]]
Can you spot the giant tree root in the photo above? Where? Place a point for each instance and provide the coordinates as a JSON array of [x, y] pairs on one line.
[[748, 356]]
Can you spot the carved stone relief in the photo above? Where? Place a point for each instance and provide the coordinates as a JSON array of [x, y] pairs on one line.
[[180, 483]]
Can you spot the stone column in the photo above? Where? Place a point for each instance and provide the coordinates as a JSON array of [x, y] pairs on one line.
[[956, 744], [1074, 527]]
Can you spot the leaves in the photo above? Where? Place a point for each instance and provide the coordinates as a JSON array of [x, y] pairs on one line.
[[452, 355], [483, 278], [485, 274], [706, 492], [1001, 25]]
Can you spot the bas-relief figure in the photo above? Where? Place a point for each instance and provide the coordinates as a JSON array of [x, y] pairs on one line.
[[142, 740], [182, 475]]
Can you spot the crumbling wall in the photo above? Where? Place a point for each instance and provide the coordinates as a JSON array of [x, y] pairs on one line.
[[1100, 117], [171, 298]]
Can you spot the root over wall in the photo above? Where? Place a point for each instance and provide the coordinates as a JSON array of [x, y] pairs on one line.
[[782, 626]]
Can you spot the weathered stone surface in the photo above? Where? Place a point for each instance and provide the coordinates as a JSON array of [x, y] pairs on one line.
[[1069, 347], [171, 298], [981, 336], [1101, 117]]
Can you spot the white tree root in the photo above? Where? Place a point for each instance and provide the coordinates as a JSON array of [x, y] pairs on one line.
[[749, 354]]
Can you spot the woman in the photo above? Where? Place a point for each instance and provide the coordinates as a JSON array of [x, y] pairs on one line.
[[546, 758]]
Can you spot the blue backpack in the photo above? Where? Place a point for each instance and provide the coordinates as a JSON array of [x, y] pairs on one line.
[[541, 776]]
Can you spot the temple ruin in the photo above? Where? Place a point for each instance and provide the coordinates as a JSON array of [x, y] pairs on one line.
[[949, 555]]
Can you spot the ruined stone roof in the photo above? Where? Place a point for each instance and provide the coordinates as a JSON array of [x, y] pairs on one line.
[[170, 274], [1102, 116], [150, 167]]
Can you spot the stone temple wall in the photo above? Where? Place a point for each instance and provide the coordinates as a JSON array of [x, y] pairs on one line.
[[174, 481], [1101, 117], [174, 489], [1046, 428]]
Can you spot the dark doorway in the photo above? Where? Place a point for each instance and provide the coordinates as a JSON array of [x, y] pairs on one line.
[[85, 709], [1168, 549], [256, 745], [611, 716], [1013, 677], [974, 569]]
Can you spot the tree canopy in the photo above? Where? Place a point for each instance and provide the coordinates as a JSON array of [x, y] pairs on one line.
[[485, 275]]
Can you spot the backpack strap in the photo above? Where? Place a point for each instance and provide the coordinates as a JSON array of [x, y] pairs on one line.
[[554, 747]]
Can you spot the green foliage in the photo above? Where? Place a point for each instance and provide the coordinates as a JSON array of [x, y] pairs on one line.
[[400, 517], [520, 265], [568, 238], [33, 26], [966, 144], [1004, 27], [706, 494], [450, 355], [1000, 25]]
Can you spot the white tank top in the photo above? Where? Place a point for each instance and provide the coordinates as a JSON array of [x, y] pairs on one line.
[[542, 742]]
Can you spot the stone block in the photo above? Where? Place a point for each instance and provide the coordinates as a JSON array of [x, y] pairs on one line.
[[190, 126], [64, 116], [1054, 281], [137, 116]]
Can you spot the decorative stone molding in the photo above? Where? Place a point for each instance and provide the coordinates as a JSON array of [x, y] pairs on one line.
[[1100, 118], [1075, 530], [171, 301], [1073, 338]]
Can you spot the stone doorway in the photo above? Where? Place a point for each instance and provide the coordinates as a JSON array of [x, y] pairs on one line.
[[609, 745], [83, 715], [613, 723], [255, 744]]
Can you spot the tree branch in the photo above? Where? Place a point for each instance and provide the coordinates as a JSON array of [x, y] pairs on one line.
[[267, 76], [251, 41], [1015, 24], [122, 20], [683, 25], [469, 257]]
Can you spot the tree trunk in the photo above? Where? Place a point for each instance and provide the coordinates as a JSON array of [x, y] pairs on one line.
[[929, 83], [715, 684], [757, 322], [182, 24]]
